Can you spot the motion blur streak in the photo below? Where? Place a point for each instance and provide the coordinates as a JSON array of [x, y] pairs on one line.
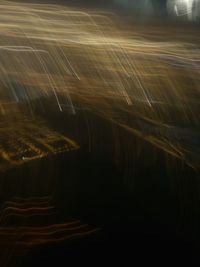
[[18, 239], [23, 140], [136, 78], [84, 59]]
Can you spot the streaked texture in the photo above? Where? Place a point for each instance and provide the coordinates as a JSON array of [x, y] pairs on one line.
[[139, 78], [84, 59]]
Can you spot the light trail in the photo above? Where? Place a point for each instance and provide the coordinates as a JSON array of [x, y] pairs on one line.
[[16, 240], [96, 62], [83, 57]]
